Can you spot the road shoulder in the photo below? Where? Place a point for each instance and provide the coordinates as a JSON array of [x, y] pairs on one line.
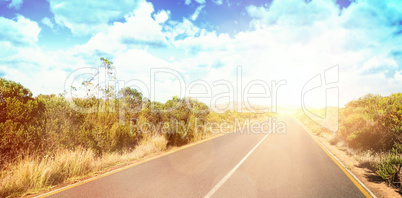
[[117, 168], [366, 176]]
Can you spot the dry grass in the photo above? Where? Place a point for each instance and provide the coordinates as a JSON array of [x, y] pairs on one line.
[[370, 159], [32, 174]]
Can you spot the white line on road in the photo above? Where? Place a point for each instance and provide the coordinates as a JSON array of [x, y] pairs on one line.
[[230, 173]]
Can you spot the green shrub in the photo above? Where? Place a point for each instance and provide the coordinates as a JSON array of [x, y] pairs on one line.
[[372, 122], [389, 168]]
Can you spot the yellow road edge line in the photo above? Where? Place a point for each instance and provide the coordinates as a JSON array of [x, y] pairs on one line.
[[366, 192], [128, 166]]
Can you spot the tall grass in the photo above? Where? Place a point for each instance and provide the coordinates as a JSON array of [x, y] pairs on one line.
[[371, 159], [33, 174]]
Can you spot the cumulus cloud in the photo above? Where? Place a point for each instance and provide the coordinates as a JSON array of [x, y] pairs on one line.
[[89, 17], [42, 72], [162, 16], [180, 30], [22, 60], [138, 31], [20, 31], [134, 67], [378, 64], [308, 38], [126, 43], [283, 43]]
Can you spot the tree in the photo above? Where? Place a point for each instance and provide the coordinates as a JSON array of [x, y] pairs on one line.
[[95, 83], [20, 127], [12, 93]]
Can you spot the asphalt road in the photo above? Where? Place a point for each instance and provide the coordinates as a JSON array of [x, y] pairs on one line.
[[234, 165]]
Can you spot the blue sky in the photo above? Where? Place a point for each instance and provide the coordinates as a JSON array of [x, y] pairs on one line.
[[43, 41]]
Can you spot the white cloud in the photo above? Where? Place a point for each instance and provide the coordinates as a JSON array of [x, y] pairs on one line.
[[398, 76], [197, 12], [207, 41], [46, 21], [42, 72], [292, 43], [139, 31], [22, 60], [299, 14], [188, 2], [22, 31], [217, 2], [162, 16], [376, 62], [306, 39], [186, 27], [134, 65], [89, 16], [15, 4]]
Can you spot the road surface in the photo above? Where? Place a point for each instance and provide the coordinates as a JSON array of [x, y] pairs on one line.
[[233, 165]]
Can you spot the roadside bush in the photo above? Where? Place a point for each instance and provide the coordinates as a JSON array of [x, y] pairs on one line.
[[372, 126], [20, 128], [389, 169], [373, 122]]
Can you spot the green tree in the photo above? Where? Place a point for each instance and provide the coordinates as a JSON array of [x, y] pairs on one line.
[[20, 130]]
